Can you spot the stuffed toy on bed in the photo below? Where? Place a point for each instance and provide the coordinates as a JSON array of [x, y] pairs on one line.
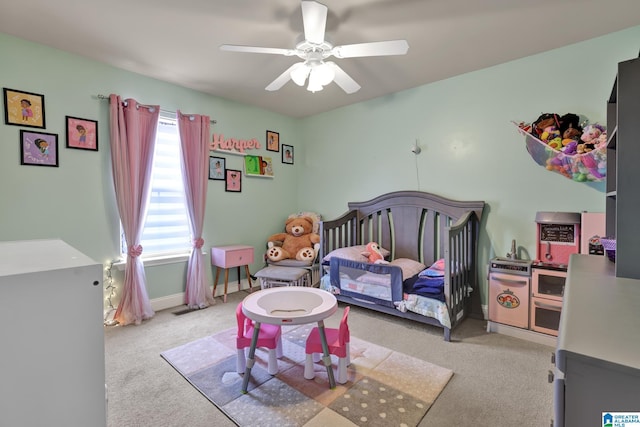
[[374, 254]]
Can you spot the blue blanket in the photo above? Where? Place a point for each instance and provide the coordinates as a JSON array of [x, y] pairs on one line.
[[431, 287]]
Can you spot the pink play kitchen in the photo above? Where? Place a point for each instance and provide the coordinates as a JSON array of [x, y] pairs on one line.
[[557, 237], [528, 294]]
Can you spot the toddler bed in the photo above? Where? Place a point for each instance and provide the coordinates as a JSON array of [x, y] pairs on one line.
[[417, 230]]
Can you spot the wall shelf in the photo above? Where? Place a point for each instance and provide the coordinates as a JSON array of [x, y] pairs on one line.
[[623, 157]]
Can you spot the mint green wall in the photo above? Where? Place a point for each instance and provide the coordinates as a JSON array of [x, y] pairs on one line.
[[470, 149], [75, 201]]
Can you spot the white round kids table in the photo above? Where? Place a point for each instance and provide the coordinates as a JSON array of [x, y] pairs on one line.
[[289, 306]]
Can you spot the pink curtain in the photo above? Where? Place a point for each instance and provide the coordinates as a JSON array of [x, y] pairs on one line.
[[133, 137], [194, 140]]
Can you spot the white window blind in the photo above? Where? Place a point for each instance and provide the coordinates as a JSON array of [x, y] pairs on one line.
[[166, 229]]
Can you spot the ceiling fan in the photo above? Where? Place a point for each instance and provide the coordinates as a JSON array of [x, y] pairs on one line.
[[314, 50]]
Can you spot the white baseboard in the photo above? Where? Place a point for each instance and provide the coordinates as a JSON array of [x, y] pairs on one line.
[[524, 334], [176, 300]]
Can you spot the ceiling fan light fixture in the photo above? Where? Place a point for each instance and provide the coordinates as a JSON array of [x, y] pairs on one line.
[[314, 86], [315, 80], [314, 50], [299, 74], [324, 73]]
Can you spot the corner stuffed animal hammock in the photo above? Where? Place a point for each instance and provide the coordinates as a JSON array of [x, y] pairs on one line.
[[581, 167]]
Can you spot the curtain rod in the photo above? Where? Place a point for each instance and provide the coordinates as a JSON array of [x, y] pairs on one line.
[[100, 96]]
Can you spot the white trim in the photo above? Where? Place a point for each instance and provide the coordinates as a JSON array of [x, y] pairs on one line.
[[176, 300], [524, 334]]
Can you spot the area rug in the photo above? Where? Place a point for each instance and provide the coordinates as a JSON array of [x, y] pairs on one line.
[[384, 387]]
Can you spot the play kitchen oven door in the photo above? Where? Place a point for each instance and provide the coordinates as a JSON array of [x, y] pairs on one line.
[[547, 290]]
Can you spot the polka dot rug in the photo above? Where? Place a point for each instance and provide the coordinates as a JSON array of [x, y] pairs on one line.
[[384, 387]]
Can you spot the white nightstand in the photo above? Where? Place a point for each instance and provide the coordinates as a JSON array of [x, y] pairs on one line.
[[226, 257]]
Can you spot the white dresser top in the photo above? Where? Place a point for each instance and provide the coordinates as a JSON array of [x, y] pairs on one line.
[[30, 256], [600, 313]]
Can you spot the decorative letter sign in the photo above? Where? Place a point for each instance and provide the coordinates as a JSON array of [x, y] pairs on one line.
[[232, 144]]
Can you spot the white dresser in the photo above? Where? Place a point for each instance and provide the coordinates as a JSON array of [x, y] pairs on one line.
[[598, 353], [52, 370]]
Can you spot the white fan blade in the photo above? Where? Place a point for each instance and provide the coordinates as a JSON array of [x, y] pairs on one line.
[[390, 47], [255, 49], [283, 78], [314, 20], [343, 79]]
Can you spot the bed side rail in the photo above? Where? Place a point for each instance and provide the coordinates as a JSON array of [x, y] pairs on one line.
[[339, 233]]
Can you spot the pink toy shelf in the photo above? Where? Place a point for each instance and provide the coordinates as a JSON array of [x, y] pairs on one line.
[[584, 167]]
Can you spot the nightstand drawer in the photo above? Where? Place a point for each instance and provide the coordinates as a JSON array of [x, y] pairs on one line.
[[231, 256]]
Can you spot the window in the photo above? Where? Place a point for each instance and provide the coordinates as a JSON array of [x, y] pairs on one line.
[[166, 229]]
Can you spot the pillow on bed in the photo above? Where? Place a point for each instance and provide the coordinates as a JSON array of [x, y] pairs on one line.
[[352, 253], [408, 266]]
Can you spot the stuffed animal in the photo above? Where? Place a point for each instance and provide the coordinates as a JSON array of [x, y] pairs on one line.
[[550, 133], [591, 134], [544, 121], [544, 126], [297, 242], [571, 148], [373, 253], [567, 121], [571, 134], [602, 139]]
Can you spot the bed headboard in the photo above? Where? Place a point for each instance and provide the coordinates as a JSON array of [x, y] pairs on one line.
[[411, 224]]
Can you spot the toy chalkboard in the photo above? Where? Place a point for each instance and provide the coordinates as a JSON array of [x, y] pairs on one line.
[[557, 233]]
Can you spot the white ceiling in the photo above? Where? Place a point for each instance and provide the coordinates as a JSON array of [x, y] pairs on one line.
[[178, 41]]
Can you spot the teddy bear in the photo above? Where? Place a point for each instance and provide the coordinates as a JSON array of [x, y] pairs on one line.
[[297, 242]]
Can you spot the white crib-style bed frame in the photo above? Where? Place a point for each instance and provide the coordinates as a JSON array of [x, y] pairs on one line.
[[420, 226]]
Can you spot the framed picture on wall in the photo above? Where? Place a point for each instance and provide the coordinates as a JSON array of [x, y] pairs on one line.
[[233, 180], [266, 168], [38, 148], [252, 165], [287, 154], [23, 108], [273, 141], [82, 133], [258, 166], [217, 165]]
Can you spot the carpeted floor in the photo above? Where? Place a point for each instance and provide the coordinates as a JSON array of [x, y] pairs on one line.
[[384, 387]]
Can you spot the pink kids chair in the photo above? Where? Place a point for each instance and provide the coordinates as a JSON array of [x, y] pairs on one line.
[[270, 337], [338, 342]]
